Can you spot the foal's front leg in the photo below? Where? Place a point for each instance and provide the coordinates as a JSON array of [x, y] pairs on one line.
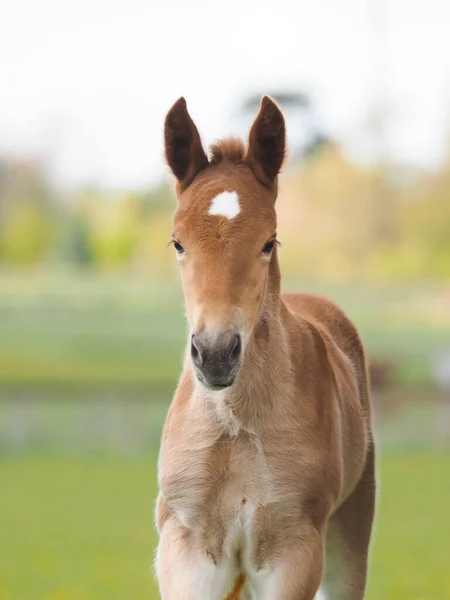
[[184, 572], [297, 571]]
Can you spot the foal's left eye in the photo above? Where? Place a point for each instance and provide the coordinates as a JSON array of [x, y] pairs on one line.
[[268, 246], [178, 247]]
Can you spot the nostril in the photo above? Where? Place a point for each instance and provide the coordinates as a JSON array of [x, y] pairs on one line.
[[235, 349], [194, 351]]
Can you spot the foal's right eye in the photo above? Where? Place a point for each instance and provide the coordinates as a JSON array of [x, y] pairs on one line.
[[268, 246], [178, 247]]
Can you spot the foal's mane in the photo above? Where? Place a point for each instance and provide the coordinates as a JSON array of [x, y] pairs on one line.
[[231, 149]]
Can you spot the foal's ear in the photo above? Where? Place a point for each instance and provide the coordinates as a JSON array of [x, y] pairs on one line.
[[267, 142], [183, 147]]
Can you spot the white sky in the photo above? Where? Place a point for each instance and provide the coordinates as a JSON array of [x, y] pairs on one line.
[[88, 83]]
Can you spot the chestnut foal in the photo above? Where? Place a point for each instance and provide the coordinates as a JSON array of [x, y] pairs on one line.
[[266, 469]]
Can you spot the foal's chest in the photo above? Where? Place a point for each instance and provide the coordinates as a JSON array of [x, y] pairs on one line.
[[216, 491]]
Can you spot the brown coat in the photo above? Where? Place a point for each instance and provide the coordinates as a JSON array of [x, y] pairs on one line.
[[267, 483]]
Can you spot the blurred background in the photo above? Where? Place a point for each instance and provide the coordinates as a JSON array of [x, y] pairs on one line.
[[91, 310]]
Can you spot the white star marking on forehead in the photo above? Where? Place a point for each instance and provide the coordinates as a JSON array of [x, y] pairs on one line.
[[225, 204]]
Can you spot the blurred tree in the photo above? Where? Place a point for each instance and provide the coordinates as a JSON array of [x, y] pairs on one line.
[[285, 99], [28, 234], [160, 199], [115, 231], [23, 180], [306, 137], [426, 223], [75, 240], [331, 219], [152, 252], [27, 212]]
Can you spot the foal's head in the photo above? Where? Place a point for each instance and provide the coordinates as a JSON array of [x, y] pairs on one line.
[[224, 234]]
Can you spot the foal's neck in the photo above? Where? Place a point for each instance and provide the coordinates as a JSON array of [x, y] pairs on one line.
[[248, 404]]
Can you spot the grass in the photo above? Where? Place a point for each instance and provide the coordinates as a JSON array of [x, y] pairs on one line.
[[91, 328], [75, 526], [412, 539], [75, 529], [88, 329]]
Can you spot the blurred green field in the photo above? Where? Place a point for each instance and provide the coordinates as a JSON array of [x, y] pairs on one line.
[[76, 529], [71, 327], [88, 363]]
